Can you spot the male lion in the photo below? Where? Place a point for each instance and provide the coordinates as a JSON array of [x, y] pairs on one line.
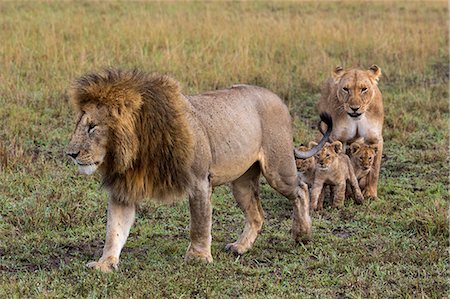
[[150, 141], [333, 168], [353, 100]]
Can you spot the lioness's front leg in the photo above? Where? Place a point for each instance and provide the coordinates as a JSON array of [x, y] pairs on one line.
[[201, 218], [119, 221]]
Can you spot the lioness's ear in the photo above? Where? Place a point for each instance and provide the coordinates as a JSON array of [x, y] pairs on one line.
[[354, 147], [337, 73], [337, 145], [375, 72], [312, 144]]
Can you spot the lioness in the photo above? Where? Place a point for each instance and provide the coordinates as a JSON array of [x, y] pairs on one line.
[[334, 168], [150, 141], [353, 100]]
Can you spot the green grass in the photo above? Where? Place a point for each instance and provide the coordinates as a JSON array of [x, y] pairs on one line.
[[52, 221]]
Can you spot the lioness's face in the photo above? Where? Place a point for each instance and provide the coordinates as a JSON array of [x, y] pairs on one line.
[[328, 154], [88, 144], [356, 89]]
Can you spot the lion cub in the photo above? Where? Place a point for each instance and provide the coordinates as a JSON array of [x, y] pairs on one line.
[[362, 156], [306, 167], [335, 169]]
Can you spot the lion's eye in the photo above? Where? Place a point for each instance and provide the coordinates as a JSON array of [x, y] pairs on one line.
[[345, 89], [363, 90], [91, 128]]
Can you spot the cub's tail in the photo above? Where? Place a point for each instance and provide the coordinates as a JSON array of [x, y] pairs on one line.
[[326, 118]]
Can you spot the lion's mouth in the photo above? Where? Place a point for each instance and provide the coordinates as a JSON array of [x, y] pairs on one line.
[[88, 164], [354, 114]]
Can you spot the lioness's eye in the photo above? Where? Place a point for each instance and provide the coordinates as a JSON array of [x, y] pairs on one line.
[[364, 89], [345, 89]]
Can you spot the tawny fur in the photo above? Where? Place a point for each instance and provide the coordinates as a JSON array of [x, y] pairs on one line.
[[333, 168], [362, 156], [306, 168], [147, 122], [151, 141], [353, 99]]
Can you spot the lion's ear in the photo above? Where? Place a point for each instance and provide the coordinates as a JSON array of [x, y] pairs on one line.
[[337, 145], [312, 144], [354, 147], [375, 72], [337, 73]]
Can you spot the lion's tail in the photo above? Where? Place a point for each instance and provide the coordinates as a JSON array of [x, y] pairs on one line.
[[326, 118]]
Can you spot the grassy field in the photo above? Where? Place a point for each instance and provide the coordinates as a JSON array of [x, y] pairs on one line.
[[52, 221]]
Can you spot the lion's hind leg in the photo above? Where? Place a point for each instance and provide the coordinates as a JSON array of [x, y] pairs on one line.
[[246, 193], [283, 178]]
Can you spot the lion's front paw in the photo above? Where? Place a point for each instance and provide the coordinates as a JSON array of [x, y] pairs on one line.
[[105, 264], [197, 256]]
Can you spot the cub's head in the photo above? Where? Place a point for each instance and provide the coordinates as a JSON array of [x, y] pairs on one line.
[[363, 155], [356, 89], [329, 153], [305, 165], [107, 103]]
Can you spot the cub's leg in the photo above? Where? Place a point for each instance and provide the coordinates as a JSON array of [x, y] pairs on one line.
[[353, 181], [370, 190], [246, 193], [339, 195], [120, 218], [320, 200], [200, 222], [317, 194]]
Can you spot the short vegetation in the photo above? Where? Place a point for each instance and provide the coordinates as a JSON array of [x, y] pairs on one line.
[[52, 221]]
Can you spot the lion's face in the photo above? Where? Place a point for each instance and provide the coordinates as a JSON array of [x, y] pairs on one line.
[[88, 144], [363, 155], [328, 155], [356, 89]]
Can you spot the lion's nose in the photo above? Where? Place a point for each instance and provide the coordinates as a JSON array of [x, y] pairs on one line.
[[354, 108], [73, 155]]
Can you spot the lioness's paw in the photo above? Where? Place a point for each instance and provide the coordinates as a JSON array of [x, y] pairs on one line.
[[105, 264], [235, 248]]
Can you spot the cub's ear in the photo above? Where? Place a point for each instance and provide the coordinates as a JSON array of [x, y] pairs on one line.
[[374, 147], [312, 144], [337, 145], [337, 73], [354, 147], [375, 72]]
